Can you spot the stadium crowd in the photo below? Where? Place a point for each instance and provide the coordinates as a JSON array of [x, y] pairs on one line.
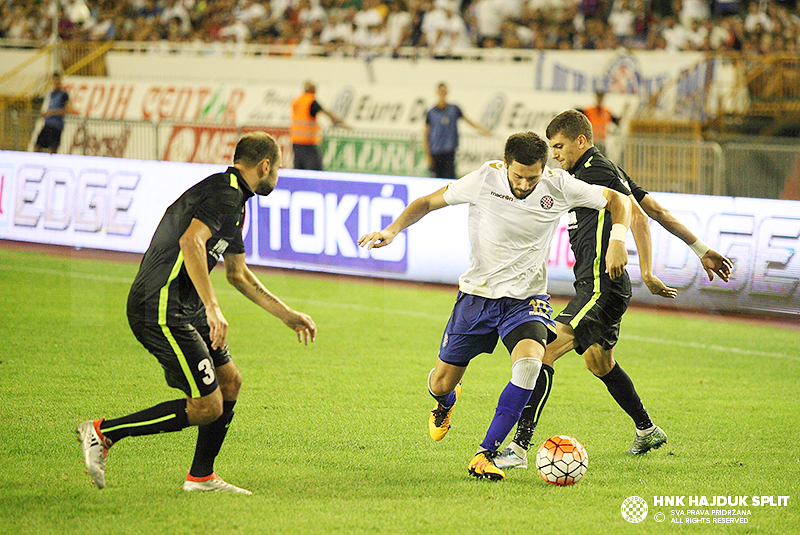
[[442, 27]]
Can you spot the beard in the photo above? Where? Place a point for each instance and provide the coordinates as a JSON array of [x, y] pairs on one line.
[[266, 183], [264, 188]]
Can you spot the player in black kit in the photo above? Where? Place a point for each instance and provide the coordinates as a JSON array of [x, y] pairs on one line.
[[173, 311], [590, 323]]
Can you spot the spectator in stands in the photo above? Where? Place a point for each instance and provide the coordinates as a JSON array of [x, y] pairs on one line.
[[674, 34], [488, 16], [697, 36], [757, 20], [419, 10], [768, 25], [444, 29], [305, 131], [621, 19], [309, 12], [338, 33], [554, 11], [55, 108], [177, 10], [441, 135], [693, 10], [398, 25]]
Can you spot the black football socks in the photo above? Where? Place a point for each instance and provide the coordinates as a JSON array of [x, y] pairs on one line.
[[621, 388], [209, 441], [163, 418], [533, 410]]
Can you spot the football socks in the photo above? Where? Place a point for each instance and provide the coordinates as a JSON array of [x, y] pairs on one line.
[[209, 442], [533, 410], [163, 418], [621, 388], [509, 407]]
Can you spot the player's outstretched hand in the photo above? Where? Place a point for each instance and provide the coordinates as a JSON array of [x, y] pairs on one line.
[[713, 262], [303, 325], [376, 239], [217, 325], [657, 287]]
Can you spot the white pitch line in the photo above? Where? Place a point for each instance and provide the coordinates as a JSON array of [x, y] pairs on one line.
[[710, 347]]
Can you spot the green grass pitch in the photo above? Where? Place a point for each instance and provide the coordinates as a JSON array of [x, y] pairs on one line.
[[332, 438]]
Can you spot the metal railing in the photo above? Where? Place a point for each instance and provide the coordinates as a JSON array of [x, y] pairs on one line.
[[674, 165]]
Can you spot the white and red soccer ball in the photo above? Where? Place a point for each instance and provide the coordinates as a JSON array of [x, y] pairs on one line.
[[562, 460]]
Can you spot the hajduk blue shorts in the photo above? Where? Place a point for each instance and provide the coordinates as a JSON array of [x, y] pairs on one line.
[[477, 322]]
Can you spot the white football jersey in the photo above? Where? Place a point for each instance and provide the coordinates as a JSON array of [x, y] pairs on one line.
[[510, 238]]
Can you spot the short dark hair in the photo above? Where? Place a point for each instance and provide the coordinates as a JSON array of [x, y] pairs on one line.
[[526, 148], [254, 147], [570, 124]]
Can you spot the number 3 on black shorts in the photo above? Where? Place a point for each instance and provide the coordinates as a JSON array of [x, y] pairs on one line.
[[207, 368]]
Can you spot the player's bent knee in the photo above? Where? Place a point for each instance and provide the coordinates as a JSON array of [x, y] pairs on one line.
[[230, 384], [598, 364], [230, 381], [442, 383], [204, 410]]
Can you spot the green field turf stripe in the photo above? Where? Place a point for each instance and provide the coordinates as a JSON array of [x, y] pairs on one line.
[[72, 274], [141, 424], [163, 299]]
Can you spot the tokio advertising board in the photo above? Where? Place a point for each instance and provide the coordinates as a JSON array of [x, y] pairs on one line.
[[313, 219]]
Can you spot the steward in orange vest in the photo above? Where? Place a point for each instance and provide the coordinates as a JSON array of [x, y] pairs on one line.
[[305, 132], [600, 117]]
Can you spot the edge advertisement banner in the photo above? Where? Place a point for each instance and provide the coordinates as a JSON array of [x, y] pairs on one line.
[[313, 219]]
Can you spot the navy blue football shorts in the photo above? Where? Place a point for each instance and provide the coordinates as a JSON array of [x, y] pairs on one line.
[[185, 354], [477, 322]]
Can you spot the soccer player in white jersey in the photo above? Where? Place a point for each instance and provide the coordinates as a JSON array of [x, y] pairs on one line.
[[590, 323], [515, 207]]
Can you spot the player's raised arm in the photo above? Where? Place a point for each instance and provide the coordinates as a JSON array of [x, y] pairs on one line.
[[640, 226], [243, 279], [413, 213], [617, 255], [713, 262]]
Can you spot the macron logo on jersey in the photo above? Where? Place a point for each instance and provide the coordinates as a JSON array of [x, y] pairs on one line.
[[502, 196]]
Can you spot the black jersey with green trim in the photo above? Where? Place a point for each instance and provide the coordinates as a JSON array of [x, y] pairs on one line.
[[162, 291], [589, 230]]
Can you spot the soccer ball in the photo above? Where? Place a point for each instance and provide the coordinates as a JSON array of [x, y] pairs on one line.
[[562, 460]]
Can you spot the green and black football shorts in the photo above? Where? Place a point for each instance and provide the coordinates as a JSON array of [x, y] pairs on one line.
[[185, 353], [595, 317]]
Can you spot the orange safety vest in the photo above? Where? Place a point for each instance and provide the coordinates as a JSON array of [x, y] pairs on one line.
[[599, 117], [304, 129]]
